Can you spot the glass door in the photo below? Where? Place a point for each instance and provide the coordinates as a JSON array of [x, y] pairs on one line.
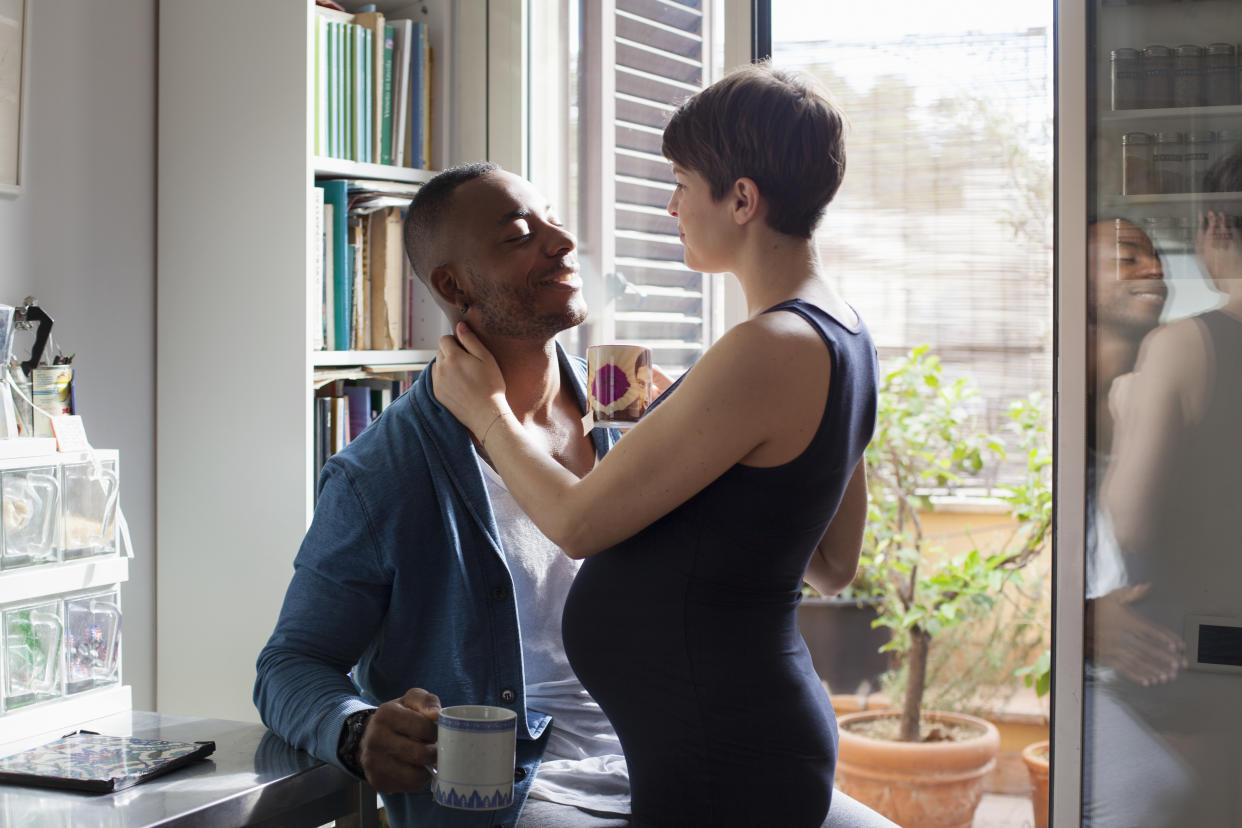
[[1150, 334]]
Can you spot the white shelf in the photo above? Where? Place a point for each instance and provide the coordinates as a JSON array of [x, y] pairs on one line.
[[26, 447], [236, 80], [341, 168], [1184, 113], [371, 358], [30, 726], [31, 582], [1173, 198]]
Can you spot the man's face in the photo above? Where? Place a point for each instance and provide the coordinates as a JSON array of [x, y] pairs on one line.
[[1129, 290], [518, 265]]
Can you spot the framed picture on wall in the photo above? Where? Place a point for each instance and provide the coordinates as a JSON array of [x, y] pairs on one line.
[[14, 90]]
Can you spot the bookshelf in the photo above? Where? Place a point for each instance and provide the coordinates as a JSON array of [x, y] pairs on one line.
[[235, 369]]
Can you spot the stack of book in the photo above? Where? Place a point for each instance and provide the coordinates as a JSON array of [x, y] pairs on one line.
[[372, 88], [343, 408], [359, 268]]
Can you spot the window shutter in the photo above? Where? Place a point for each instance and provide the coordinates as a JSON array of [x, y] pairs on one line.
[[661, 58]]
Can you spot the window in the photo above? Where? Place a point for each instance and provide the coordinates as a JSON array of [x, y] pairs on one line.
[[941, 234], [631, 63]]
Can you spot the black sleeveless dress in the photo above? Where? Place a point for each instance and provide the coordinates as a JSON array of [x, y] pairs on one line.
[[686, 633]]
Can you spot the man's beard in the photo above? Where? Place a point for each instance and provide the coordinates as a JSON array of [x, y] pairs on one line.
[[511, 311]]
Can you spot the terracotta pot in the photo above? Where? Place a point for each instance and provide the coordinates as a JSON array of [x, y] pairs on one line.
[[918, 784], [1036, 758]]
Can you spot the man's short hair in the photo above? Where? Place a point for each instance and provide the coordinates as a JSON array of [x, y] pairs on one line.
[[774, 126], [425, 217]]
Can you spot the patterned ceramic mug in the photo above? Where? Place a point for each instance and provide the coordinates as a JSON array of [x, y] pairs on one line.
[[474, 768], [618, 384]]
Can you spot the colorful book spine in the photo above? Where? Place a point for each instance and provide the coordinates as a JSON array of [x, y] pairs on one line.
[[401, 89], [319, 47], [368, 94], [336, 193], [341, 68], [418, 67], [386, 90], [317, 269], [351, 97]]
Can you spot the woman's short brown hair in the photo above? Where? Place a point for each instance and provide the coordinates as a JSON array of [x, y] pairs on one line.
[[774, 126]]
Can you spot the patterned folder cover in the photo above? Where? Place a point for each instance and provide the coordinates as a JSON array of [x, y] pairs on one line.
[[86, 761]]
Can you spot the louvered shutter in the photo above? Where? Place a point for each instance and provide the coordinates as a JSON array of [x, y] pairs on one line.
[[659, 57]]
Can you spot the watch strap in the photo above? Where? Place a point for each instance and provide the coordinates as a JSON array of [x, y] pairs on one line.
[[350, 742]]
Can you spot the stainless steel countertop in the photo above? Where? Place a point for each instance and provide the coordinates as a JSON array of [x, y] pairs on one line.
[[253, 777]]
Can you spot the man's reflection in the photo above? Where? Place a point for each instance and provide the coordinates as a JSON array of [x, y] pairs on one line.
[[1172, 491], [1131, 775]]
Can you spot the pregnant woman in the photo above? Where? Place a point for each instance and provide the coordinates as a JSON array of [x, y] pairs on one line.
[[744, 479]]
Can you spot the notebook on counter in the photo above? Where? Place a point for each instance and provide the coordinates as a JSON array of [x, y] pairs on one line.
[[85, 761]]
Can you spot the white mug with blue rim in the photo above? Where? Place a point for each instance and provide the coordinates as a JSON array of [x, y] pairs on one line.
[[475, 757]]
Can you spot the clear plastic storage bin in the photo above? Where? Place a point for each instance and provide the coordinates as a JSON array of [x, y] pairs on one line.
[[92, 641], [30, 506], [32, 654], [90, 498]]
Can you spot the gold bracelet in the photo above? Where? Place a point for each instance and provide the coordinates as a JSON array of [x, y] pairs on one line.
[[486, 431]]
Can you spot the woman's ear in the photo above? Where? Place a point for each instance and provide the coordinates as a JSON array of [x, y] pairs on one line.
[[746, 201]]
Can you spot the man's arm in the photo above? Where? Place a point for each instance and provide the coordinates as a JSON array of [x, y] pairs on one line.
[[332, 611], [835, 561]]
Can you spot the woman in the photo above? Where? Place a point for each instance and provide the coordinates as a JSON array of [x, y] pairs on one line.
[[744, 478]]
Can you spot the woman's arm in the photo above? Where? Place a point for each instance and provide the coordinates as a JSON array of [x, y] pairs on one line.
[[748, 387], [835, 562]]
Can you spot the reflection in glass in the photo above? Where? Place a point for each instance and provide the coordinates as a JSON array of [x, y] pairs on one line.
[[1161, 732]]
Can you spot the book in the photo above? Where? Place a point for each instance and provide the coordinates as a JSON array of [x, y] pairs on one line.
[[385, 107], [359, 408], [403, 38], [349, 109], [386, 256], [321, 86], [339, 428], [358, 293], [336, 193], [418, 67], [366, 96], [85, 761], [373, 22], [329, 314], [341, 108], [316, 269], [428, 72], [323, 415]]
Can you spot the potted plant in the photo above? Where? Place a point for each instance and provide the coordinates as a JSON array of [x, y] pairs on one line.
[[846, 645], [923, 768], [1037, 756]]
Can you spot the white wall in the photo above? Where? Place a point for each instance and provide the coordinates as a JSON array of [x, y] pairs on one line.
[[82, 239]]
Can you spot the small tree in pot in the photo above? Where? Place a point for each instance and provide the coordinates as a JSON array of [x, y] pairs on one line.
[[923, 442]]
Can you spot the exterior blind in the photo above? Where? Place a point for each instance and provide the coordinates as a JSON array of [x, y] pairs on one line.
[[660, 61]]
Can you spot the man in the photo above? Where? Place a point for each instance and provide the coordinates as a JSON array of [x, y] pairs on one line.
[[419, 570]]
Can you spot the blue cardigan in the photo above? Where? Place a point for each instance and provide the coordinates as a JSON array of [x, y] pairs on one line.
[[402, 579]]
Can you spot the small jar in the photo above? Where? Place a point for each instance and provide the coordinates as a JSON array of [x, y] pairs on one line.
[[1167, 162], [1197, 157], [1220, 84], [1157, 77], [1127, 74], [1187, 75], [1137, 152], [1170, 234]]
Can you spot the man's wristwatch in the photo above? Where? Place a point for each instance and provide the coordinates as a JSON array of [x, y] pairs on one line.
[[350, 742]]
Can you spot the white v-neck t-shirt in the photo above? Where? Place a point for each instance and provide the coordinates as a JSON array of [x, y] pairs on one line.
[[583, 764]]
